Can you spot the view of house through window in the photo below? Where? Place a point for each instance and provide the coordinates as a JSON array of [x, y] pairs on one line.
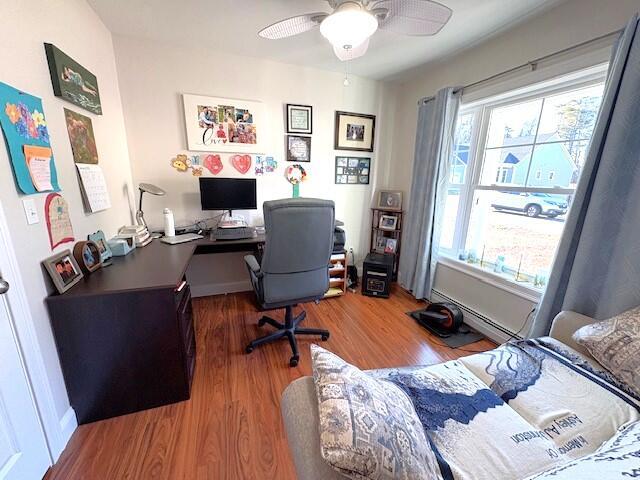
[[514, 168]]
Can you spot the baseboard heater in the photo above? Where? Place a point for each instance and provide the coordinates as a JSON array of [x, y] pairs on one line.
[[474, 319]]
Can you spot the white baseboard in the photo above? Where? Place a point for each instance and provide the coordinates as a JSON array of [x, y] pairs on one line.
[[208, 289], [476, 320], [68, 425]]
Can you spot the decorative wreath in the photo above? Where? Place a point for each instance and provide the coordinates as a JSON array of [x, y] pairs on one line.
[[295, 174]]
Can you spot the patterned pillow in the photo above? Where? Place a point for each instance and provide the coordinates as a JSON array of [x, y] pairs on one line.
[[368, 427], [615, 343]]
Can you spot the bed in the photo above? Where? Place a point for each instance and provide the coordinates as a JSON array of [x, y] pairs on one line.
[[526, 422]]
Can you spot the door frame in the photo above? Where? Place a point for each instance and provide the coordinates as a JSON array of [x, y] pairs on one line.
[[29, 349]]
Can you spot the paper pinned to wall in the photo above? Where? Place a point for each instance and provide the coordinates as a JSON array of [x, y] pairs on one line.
[[56, 210], [94, 187], [23, 123], [39, 164]]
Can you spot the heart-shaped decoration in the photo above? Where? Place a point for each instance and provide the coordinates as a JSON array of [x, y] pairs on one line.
[[213, 163], [241, 163]]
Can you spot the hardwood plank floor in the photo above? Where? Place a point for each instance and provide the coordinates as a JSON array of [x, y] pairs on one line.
[[231, 427]]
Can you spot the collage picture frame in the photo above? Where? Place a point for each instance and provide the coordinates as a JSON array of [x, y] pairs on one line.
[[352, 170]]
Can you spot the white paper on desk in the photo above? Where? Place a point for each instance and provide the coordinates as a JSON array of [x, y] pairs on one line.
[[94, 187]]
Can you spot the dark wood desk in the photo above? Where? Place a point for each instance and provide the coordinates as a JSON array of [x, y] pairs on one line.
[[125, 333]]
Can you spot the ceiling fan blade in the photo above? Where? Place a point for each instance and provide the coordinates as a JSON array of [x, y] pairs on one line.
[[345, 54], [413, 17], [292, 26]]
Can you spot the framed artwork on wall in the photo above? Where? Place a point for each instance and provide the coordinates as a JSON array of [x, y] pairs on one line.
[[354, 131], [298, 148], [352, 170], [223, 124], [72, 81], [299, 119]]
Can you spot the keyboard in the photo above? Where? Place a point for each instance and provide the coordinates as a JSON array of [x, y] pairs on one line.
[[186, 237], [233, 233]]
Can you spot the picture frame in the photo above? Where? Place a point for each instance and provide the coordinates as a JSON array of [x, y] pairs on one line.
[[352, 170], [299, 119], [87, 254], [388, 222], [354, 131], [298, 148], [72, 81], [215, 124], [390, 200], [381, 243], [391, 245], [63, 270], [103, 246]]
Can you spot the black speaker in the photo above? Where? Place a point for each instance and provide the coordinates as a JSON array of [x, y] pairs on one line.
[[377, 273]]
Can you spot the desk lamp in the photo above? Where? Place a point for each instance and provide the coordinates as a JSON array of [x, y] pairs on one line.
[[148, 188]]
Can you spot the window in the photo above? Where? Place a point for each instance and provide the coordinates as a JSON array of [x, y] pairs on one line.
[[514, 167]]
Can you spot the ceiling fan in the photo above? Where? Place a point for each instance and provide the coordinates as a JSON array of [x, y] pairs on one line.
[[352, 22]]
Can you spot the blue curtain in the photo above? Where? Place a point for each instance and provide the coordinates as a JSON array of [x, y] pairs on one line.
[[597, 267], [421, 236]]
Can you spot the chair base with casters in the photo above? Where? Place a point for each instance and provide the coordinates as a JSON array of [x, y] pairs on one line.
[[289, 330]]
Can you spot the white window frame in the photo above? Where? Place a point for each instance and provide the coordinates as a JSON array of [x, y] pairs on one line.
[[481, 111]]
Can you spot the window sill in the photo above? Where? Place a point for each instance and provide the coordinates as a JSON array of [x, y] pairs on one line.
[[499, 281]]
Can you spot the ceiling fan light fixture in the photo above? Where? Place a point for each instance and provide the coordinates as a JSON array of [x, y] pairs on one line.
[[349, 26]]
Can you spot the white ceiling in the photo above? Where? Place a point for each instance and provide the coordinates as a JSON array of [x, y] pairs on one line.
[[232, 26]]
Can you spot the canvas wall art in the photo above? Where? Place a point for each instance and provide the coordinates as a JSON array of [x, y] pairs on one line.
[[83, 142], [27, 137], [223, 125], [72, 81]]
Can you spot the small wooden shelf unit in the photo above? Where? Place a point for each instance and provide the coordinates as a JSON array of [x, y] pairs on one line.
[[379, 235], [337, 275]]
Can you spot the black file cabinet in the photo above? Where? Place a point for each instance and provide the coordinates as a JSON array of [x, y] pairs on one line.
[[377, 275]]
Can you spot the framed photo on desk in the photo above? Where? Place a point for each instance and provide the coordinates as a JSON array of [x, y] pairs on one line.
[[63, 270]]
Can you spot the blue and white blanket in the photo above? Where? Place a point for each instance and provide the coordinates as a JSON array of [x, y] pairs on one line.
[[522, 409]]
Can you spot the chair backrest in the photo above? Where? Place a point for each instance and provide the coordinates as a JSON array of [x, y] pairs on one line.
[[298, 246]]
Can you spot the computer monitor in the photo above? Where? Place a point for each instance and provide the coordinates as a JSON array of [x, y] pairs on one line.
[[228, 193]]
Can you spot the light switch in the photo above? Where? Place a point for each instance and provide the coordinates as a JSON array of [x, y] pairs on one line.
[[30, 210]]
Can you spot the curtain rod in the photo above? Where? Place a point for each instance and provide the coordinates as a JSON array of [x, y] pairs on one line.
[[532, 64]]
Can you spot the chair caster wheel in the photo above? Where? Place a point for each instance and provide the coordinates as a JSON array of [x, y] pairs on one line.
[[261, 322], [325, 337], [294, 361], [249, 349]]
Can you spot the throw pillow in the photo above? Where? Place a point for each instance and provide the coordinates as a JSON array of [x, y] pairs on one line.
[[368, 427], [615, 343]]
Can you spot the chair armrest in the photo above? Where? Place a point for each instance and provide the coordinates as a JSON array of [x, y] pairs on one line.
[[253, 265], [565, 325]]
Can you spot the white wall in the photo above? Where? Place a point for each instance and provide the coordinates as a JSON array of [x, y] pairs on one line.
[[569, 24], [75, 28], [152, 79]]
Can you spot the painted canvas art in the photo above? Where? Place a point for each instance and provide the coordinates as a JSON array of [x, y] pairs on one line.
[[72, 81], [222, 125], [27, 137], [83, 142]]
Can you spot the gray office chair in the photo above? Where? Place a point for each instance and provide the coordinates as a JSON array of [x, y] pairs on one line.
[[295, 265]]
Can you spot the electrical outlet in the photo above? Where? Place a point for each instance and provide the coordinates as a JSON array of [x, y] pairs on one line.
[[30, 211]]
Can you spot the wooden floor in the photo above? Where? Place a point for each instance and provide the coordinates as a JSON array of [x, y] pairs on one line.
[[231, 428]]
